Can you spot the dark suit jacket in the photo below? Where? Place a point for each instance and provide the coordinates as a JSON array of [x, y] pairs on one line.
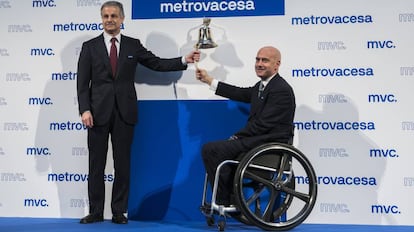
[[271, 117], [98, 90]]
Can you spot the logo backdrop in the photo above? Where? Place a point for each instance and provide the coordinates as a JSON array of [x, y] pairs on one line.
[[349, 62]]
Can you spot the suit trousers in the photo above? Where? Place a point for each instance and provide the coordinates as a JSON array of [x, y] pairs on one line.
[[121, 135], [213, 153]]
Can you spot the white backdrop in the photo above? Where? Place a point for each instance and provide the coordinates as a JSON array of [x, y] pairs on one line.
[[343, 73]]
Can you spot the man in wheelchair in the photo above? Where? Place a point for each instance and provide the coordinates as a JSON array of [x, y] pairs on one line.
[[272, 109], [252, 173]]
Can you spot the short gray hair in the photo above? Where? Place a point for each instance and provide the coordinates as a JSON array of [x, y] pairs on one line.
[[115, 4]]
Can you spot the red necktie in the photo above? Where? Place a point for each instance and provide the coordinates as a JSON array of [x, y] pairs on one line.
[[113, 56]]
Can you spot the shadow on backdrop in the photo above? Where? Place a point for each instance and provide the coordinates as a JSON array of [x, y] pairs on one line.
[[354, 155]]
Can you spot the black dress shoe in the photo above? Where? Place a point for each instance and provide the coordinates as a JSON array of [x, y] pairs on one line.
[[91, 218], [223, 201], [119, 219]]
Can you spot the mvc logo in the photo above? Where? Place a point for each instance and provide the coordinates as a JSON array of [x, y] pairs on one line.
[[78, 203], [42, 52], [329, 45], [333, 152], [385, 209], [35, 203], [80, 151], [15, 126], [380, 44], [12, 177], [17, 77], [20, 28], [82, 3], [381, 98], [43, 3], [409, 181], [40, 101], [332, 98], [407, 126], [407, 71], [392, 153], [334, 208], [38, 151]]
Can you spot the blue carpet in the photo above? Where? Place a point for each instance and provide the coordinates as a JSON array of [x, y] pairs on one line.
[[72, 225]]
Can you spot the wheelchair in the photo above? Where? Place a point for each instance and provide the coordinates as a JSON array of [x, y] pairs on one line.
[[266, 193]]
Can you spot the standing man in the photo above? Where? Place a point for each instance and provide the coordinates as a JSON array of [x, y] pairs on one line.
[[108, 105], [272, 109]]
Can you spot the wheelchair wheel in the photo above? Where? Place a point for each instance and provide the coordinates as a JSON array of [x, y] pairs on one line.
[[265, 186], [240, 217]]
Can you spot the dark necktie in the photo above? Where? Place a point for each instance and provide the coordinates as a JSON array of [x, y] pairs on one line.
[[113, 56], [261, 89]]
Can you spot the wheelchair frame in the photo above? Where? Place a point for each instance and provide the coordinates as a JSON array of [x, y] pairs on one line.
[[265, 177]]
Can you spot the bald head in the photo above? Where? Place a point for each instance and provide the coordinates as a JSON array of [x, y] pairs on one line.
[[267, 62], [272, 52]]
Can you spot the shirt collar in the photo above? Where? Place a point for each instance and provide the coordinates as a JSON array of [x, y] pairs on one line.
[[265, 82], [108, 37]]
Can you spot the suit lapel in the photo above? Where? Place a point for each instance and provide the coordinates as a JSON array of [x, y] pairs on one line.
[[102, 52], [258, 104], [123, 49]]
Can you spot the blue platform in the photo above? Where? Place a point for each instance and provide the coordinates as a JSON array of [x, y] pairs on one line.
[[73, 225]]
